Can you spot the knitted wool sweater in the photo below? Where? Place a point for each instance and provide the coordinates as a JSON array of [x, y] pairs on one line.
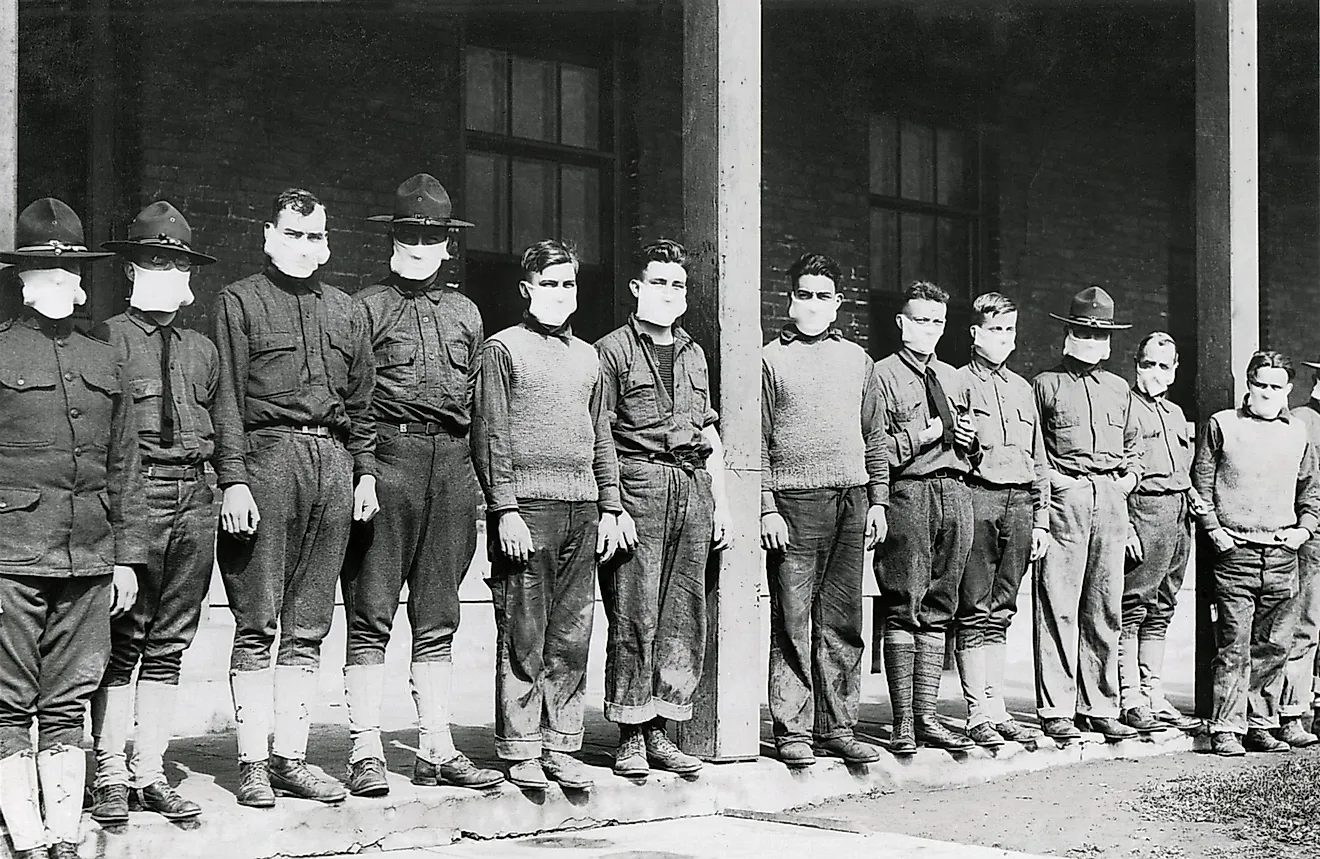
[[551, 428], [811, 436]]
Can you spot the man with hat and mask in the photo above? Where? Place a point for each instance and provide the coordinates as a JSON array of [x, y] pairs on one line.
[[919, 567], [1010, 518], [425, 335], [1159, 539], [71, 529], [1299, 673], [1255, 471], [826, 467], [671, 477], [545, 459], [172, 374], [1091, 441], [295, 455]]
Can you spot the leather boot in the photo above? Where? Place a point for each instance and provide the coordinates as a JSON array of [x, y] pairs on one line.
[[253, 714], [899, 658], [664, 755], [292, 777], [109, 804], [366, 777], [166, 801], [928, 668], [458, 771], [20, 803], [254, 788], [630, 755], [62, 771]]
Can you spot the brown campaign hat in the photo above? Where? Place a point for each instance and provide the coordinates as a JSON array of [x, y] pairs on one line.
[[423, 201], [48, 229], [1092, 308], [163, 227]]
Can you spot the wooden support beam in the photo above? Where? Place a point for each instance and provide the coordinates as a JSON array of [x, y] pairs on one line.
[[8, 121], [722, 229], [102, 185], [1227, 243]]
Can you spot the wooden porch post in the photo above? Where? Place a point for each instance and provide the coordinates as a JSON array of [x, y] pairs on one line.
[[102, 188], [8, 121], [722, 230], [1227, 250]]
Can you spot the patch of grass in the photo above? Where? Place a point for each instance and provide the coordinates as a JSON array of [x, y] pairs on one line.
[[1270, 807]]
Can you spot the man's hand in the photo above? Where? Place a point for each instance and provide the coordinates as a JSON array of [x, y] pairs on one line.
[[1222, 540], [1126, 483], [964, 433], [1040, 543], [608, 537], [1133, 548], [124, 589], [238, 511], [627, 532], [720, 531], [515, 537], [774, 532], [1293, 538], [933, 431], [365, 504], [877, 526]]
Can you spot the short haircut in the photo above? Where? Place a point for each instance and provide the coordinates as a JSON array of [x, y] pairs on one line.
[[1157, 338], [989, 304], [295, 200], [540, 256], [924, 290], [1267, 358], [661, 250], [817, 264]]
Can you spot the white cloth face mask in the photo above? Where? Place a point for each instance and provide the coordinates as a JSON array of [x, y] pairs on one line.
[[660, 305], [1086, 350], [52, 292], [551, 305], [298, 258], [418, 262], [164, 291]]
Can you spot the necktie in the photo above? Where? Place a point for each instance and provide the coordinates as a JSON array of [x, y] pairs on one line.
[[939, 404], [166, 388]]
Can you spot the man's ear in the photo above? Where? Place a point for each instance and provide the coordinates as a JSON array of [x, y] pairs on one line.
[[128, 271], [523, 286]]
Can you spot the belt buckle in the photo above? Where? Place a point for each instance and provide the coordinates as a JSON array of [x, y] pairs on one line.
[[403, 429]]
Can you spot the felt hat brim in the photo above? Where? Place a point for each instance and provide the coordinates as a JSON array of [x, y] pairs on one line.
[[1311, 364], [124, 246], [1087, 322], [423, 222], [51, 254]]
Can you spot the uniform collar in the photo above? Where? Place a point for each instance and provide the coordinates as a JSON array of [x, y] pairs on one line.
[[49, 327], [1077, 369], [431, 287], [292, 284], [790, 333], [984, 371], [563, 332], [149, 325], [913, 365]]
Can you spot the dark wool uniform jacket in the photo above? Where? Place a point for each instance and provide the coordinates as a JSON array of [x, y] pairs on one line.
[[70, 471]]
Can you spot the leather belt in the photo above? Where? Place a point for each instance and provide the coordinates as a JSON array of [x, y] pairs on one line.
[[950, 473], [324, 432], [421, 428], [173, 472], [973, 480], [690, 464]]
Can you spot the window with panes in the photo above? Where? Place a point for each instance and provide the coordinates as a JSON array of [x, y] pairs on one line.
[[925, 220], [538, 164]]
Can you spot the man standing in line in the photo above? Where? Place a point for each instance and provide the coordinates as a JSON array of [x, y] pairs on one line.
[[545, 459], [1299, 672], [671, 479], [825, 460], [173, 373], [294, 434], [1159, 539], [1255, 470], [426, 335], [919, 567], [1010, 493], [71, 529], [1091, 441]]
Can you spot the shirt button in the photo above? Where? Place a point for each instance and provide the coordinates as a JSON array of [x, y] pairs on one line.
[[3, 504], [20, 380], [77, 451], [60, 342], [426, 319], [73, 413], [68, 377]]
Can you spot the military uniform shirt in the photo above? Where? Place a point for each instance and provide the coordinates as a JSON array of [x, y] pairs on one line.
[[1165, 443], [1008, 431], [1087, 419], [907, 412]]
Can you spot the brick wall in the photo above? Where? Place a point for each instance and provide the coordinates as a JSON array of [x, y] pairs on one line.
[[237, 106]]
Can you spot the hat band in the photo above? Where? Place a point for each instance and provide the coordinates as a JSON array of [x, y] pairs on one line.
[[164, 239], [57, 246]]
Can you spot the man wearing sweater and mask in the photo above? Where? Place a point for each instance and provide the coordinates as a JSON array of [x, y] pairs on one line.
[[295, 444], [544, 457], [173, 372], [425, 335], [1010, 518], [932, 444], [826, 465], [1094, 463], [71, 530], [671, 479], [1159, 539], [1255, 471]]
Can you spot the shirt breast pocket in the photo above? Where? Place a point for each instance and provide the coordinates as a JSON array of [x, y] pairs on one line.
[[639, 405], [23, 538], [1020, 426], [96, 405], [273, 366], [1109, 432], [338, 358], [28, 400], [396, 367], [146, 404]]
